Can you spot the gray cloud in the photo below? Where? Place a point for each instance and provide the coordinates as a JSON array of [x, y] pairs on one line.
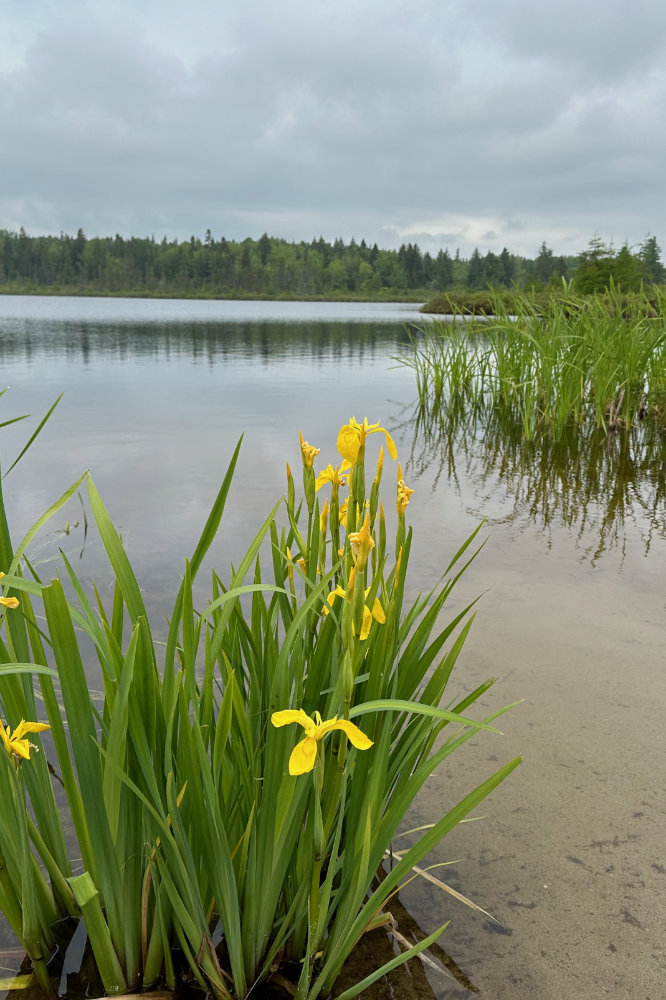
[[468, 124]]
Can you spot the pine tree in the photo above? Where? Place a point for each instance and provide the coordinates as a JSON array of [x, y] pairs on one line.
[[475, 271], [652, 269], [543, 265], [507, 269], [627, 270], [443, 271], [595, 267]]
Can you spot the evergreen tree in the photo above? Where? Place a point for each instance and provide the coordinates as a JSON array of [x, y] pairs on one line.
[[264, 248], [410, 258], [543, 265], [627, 270], [475, 275], [427, 270], [443, 275], [77, 248], [652, 269], [595, 267], [491, 270], [507, 268]]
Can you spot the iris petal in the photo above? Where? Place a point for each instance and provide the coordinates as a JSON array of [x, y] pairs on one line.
[[355, 735], [349, 443], [303, 756], [289, 715], [390, 444], [21, 748], [378, 612], [366, 623], [29, 727]]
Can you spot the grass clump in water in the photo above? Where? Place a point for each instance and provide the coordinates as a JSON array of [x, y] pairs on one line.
[[596, 362]]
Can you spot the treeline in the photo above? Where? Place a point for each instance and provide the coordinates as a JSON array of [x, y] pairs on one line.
[[274, 268]]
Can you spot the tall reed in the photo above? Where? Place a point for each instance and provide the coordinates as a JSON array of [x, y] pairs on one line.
[[590, 361]]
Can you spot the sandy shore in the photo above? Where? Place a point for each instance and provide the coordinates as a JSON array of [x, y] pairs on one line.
[[571, 855]]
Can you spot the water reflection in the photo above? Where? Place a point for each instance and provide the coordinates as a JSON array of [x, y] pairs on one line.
[[606, 489], [212, 343]]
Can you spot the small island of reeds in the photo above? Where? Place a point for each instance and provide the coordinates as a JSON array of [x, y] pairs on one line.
[[594, 362]]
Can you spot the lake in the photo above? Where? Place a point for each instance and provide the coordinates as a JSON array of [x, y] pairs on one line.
[[570, 853]]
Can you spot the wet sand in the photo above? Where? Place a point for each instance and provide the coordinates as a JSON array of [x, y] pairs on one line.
[[571, 854]]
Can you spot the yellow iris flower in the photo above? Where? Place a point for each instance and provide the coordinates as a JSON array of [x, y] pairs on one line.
[[376, 612], [353, 436], [336, 475], [15, 743], [304, 754]]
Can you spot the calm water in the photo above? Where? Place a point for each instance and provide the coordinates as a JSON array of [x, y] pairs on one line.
[[569, 856]]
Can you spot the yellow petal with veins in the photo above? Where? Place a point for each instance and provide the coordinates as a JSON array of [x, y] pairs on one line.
[[303, 756], [349, 442]]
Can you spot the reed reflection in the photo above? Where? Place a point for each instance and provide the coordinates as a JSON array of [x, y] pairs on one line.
[[207, 343], [606, 489]]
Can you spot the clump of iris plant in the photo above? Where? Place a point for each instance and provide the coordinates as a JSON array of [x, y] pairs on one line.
[[234, 793]]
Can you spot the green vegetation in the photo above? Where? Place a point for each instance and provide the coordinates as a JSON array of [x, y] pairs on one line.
[[208, 833], [596, 362], [506, 302], [600, 268], [275, 269], [265, 268]]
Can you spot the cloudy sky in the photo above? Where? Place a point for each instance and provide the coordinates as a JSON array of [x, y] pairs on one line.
[[450, 123]]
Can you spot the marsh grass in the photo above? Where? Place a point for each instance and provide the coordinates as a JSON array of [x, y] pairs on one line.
[[596, 362], [193, 836]]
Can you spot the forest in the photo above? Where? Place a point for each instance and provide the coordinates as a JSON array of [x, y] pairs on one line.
[[274, 268]]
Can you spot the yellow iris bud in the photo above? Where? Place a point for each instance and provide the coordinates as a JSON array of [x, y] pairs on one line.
[[308, 451], [362, 542]]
